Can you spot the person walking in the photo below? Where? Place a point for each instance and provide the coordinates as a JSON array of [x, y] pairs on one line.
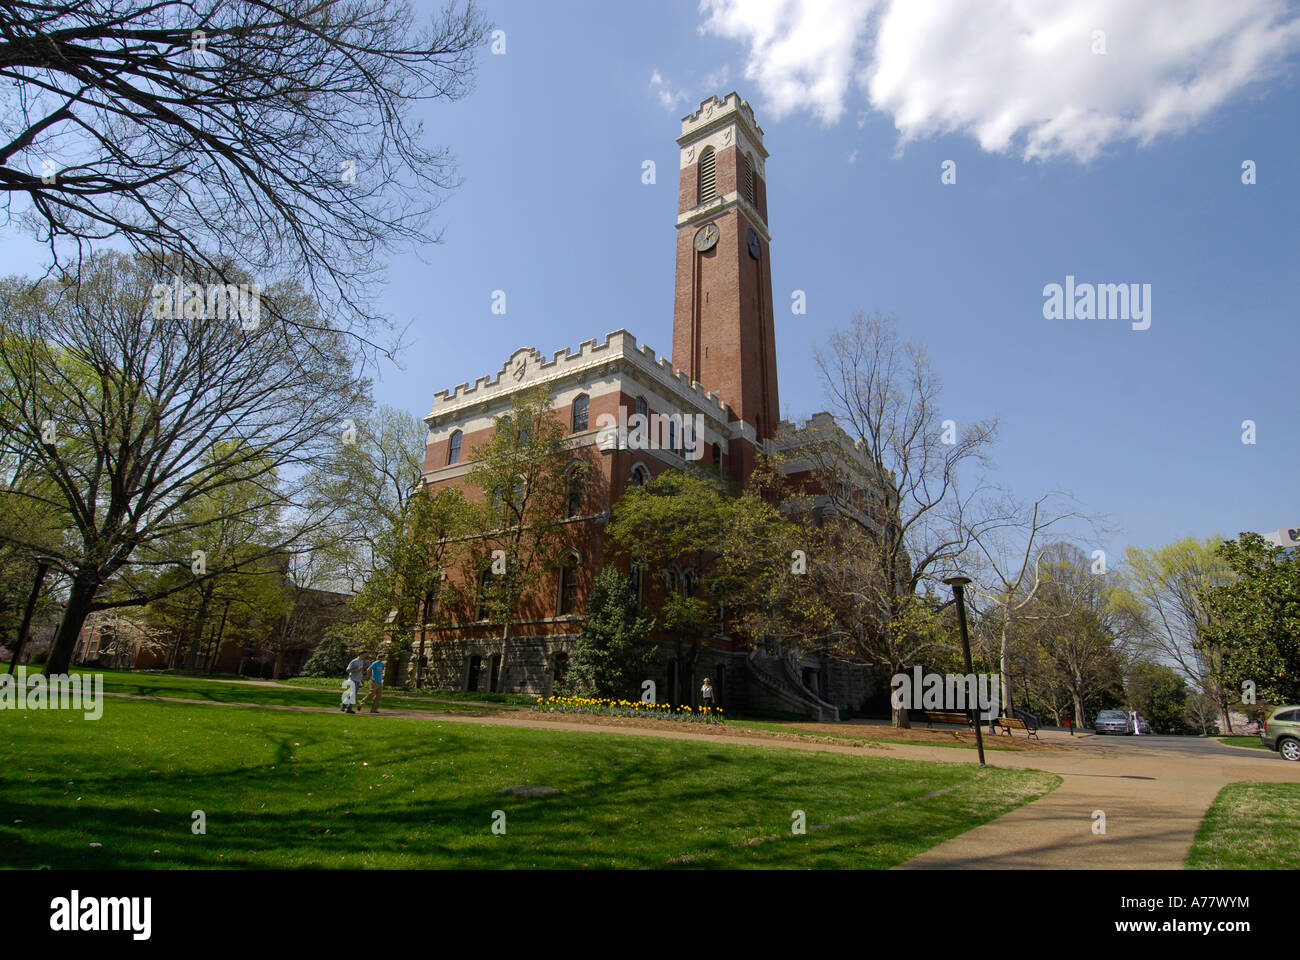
[[355, 669], [706, 694], [376, 685]]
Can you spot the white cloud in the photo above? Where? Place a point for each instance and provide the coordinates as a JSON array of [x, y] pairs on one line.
[[853, 157], [715, 82], [668, 97], [1017, 75]]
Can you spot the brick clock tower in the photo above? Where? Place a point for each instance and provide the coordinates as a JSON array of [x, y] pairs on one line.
[[723, 324]]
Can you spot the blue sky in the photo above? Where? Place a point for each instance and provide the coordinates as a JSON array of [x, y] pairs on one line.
[[1122, 167]]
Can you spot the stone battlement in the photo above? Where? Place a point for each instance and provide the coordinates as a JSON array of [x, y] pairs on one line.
[[713, 109], [526, 367]]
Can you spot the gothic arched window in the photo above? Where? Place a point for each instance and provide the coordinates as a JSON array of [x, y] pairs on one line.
[[708, 176], [453, 448], [580, 407]]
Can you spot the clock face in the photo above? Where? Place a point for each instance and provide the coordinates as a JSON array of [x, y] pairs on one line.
[[706, 237], [755, 248]]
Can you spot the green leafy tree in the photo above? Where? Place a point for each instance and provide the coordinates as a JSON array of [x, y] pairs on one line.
[[520, 474], [331, 656], [1254, 621], [610, 656], [389, 540], [1079, 631], [1158, 692], [1163, 590], [724, 559], [121, 407]]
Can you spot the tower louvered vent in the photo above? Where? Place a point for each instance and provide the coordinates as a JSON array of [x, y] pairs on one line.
[[708, 176]]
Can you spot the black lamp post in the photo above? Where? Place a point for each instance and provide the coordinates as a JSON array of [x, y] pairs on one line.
[[958, 584], [43, 565]]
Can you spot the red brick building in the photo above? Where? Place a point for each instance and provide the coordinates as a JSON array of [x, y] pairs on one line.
[[715, 402]]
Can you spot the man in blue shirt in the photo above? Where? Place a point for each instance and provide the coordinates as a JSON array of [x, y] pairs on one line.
[[376, 686]]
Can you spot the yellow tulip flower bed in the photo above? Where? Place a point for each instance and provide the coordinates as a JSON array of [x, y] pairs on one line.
[[605, 707]]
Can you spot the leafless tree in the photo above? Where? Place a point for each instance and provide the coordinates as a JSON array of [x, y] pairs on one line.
[[898, 479], [271, 138], [1008, 571]]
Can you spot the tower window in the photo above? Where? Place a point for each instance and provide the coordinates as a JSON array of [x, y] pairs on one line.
[[569, 585], [453, 448], [642, 408], [640, 476], [573, 497], [750, 193], [484, 588], [580, 407], [708, 176]]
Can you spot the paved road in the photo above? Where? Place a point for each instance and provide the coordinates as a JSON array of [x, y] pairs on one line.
[[1195, 746]]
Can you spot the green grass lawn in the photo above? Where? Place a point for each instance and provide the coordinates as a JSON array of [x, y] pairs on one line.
[[287, 789], [1242, 742], [142, 684], [1250, 826]]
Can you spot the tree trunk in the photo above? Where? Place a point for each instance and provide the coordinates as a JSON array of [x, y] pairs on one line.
[[200, 621], [1004, 664], [82, 593], [221, 631], [902, 719], [1078, 710]]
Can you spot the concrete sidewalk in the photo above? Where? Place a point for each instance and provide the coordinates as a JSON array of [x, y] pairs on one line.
[[1153, 804]]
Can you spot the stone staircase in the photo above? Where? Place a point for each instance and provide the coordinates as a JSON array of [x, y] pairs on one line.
[[775, 684]]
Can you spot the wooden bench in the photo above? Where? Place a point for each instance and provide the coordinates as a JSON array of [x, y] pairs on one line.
[[1007, 724], [938, 716]]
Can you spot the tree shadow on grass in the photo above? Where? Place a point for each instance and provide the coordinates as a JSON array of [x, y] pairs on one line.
[[418, 795]]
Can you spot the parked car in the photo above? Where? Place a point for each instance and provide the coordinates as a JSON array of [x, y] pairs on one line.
[[1114, 721], [1282, 732], [1144, 726]]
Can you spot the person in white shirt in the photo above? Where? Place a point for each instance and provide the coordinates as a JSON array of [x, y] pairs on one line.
[[349, 696], [706, 694]]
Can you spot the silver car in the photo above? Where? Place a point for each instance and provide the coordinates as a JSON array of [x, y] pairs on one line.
[[1114, 721]]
